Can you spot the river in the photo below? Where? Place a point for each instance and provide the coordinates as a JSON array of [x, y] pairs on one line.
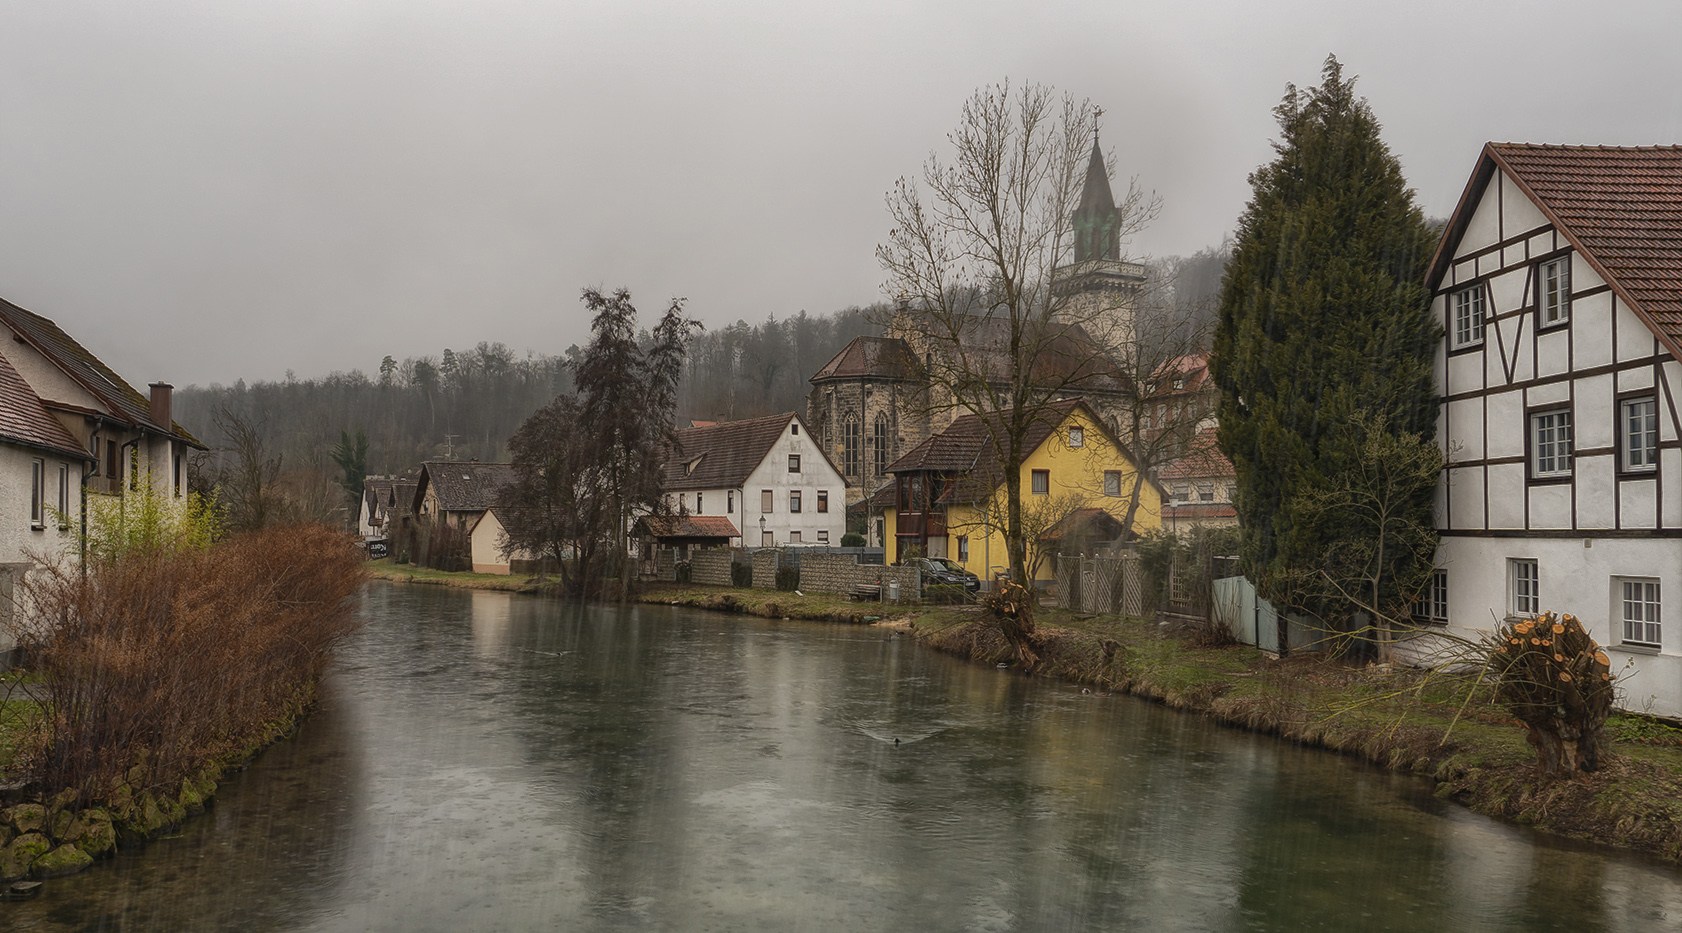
[[486, 761]]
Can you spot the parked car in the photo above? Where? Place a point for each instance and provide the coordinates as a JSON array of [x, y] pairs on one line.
[[939, 570]]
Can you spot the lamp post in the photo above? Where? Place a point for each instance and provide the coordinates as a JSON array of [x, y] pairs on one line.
[[761, 531]]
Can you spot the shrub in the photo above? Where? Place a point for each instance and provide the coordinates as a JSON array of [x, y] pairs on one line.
[[741, 575], [1553, 678], [682, 572], [852, 539], [163, 661], [788, 578]]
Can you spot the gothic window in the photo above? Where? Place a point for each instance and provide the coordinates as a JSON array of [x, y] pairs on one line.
[[850, 443], [880, 439]]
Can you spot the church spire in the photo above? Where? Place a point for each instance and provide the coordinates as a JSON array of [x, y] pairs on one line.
[[1095, 220]]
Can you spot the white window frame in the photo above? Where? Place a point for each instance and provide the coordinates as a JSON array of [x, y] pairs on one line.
[[1469, 316], [1433, 602], [1553, 292], [64, 496], [823, 536], [1636, 604], [1524, 586], [37, 494], [1077, 436], [1550, 443], [1638, 434], [1181, 492], [794, 501], [1039, 482], [1112, 482]]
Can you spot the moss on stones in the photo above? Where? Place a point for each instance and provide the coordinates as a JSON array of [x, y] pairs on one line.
[[64, 860]]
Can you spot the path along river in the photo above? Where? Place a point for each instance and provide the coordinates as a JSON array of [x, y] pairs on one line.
[[485, 761]]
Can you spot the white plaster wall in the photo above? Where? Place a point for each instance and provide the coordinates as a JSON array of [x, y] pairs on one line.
[[1482, 231], [1635, 339], [1465, 420], [1553, 352], [1591, 330], [1638, 503], [1630, 380], [1578, 580], [1596, 485], [1670, 474], [1465, 372], [1465, 493], [1543, 242], [1550, 506], [1506, 291], [1595, 421], [1506, 495], [1505, 412], [18, 541], [815, 475], [1518, 212]]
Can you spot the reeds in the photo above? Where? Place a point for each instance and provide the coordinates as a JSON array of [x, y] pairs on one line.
[[159, 662]]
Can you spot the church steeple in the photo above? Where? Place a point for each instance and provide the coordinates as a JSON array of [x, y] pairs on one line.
[[1095, 220]]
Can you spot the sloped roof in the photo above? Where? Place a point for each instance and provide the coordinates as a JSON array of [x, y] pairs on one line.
[[1621, 207], [1066, 354], [463, 486], [883, 357], [1195, 510], [24, 420], [966, 442], [1080, 520], [688, 526], [723, 455], [1203, 461], [388, 494], [121, 399], [1193, 368]]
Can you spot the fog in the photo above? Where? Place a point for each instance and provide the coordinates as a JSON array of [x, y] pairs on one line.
[[206, 191]]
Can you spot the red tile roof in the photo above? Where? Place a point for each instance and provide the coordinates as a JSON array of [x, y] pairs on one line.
[[24, 420], [1191, 510], [689, 526], [883, 357], [1203, 461], [1621, 207], [122, 399]]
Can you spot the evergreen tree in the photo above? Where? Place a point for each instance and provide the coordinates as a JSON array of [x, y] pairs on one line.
[[1324, 336]]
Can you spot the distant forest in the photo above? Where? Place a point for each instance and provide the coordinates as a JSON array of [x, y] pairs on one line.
[[464, 404]]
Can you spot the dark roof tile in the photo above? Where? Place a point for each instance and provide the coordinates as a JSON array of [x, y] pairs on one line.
[[24, 420]]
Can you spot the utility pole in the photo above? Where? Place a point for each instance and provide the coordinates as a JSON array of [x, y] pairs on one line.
[[450, 446]]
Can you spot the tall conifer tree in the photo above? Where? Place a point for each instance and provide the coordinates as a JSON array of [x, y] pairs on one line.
[[1324, 337]]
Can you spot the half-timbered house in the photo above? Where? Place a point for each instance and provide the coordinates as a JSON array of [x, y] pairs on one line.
[[1558, 282]]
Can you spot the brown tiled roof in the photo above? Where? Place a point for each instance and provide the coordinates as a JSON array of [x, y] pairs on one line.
[[1620, 206], [386, 495], [1203, 461], [724, 454], [24, 420], [688, 526], [966, 447], [884, 357], [463, 486], [1190, 510], [120, 398], [1080, 520]]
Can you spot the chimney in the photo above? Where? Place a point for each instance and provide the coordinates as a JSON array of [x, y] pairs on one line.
[[161, 405]]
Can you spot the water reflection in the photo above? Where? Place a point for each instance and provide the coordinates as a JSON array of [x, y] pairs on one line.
[[490, 761]]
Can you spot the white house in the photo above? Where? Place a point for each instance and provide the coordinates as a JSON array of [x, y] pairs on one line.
[[769, 476], [1559, 285]]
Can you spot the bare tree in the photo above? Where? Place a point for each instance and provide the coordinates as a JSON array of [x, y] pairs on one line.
[[981, 256]]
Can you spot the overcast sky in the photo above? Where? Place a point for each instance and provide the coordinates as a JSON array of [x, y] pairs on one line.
[[205, 190]]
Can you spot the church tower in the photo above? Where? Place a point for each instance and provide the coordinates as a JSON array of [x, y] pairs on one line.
[[1097, 282]]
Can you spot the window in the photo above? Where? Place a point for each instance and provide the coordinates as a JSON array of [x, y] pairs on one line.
[[767, 500], [1206, 492], [1550, 444], [177, 476], [1182, 492], [1041, 482], [1525, 583], [1553, 300], [794, 501], [794, 463], [767, 539], [879, 437], [1232, 492], [1468, 316], [1433, 603], [64, 495], [850, 445], [1638, 424], [823, 536], [697, 503], [1077, 437], [682, 502], [823, 500], [794, 537], [37, 493], [794, 429], [1640, 611], [1112, 482], [730, 502]]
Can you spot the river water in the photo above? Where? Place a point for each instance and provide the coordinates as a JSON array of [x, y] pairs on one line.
[[485, 761]]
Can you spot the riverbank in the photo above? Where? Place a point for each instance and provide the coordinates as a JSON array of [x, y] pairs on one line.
[[1400, 719]]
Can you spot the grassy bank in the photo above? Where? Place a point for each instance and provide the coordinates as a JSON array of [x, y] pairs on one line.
[[412, 573]]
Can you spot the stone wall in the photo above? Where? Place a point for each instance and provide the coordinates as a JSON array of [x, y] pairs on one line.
[[765, 569], [829, 573], [711, 567], [909, 579], [665, 564]]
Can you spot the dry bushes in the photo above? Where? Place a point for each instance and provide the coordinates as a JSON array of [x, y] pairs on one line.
[[1557, 681], [161, 662]]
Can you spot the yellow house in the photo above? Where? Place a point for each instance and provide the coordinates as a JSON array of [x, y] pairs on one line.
[[948, 495]]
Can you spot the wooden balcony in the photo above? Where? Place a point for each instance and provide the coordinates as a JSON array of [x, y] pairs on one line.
[[913, 524]]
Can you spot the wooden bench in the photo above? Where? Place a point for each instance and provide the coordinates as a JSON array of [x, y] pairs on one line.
[[870, 591]]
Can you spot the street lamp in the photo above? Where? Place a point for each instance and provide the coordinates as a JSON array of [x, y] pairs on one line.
[[761, 531]]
